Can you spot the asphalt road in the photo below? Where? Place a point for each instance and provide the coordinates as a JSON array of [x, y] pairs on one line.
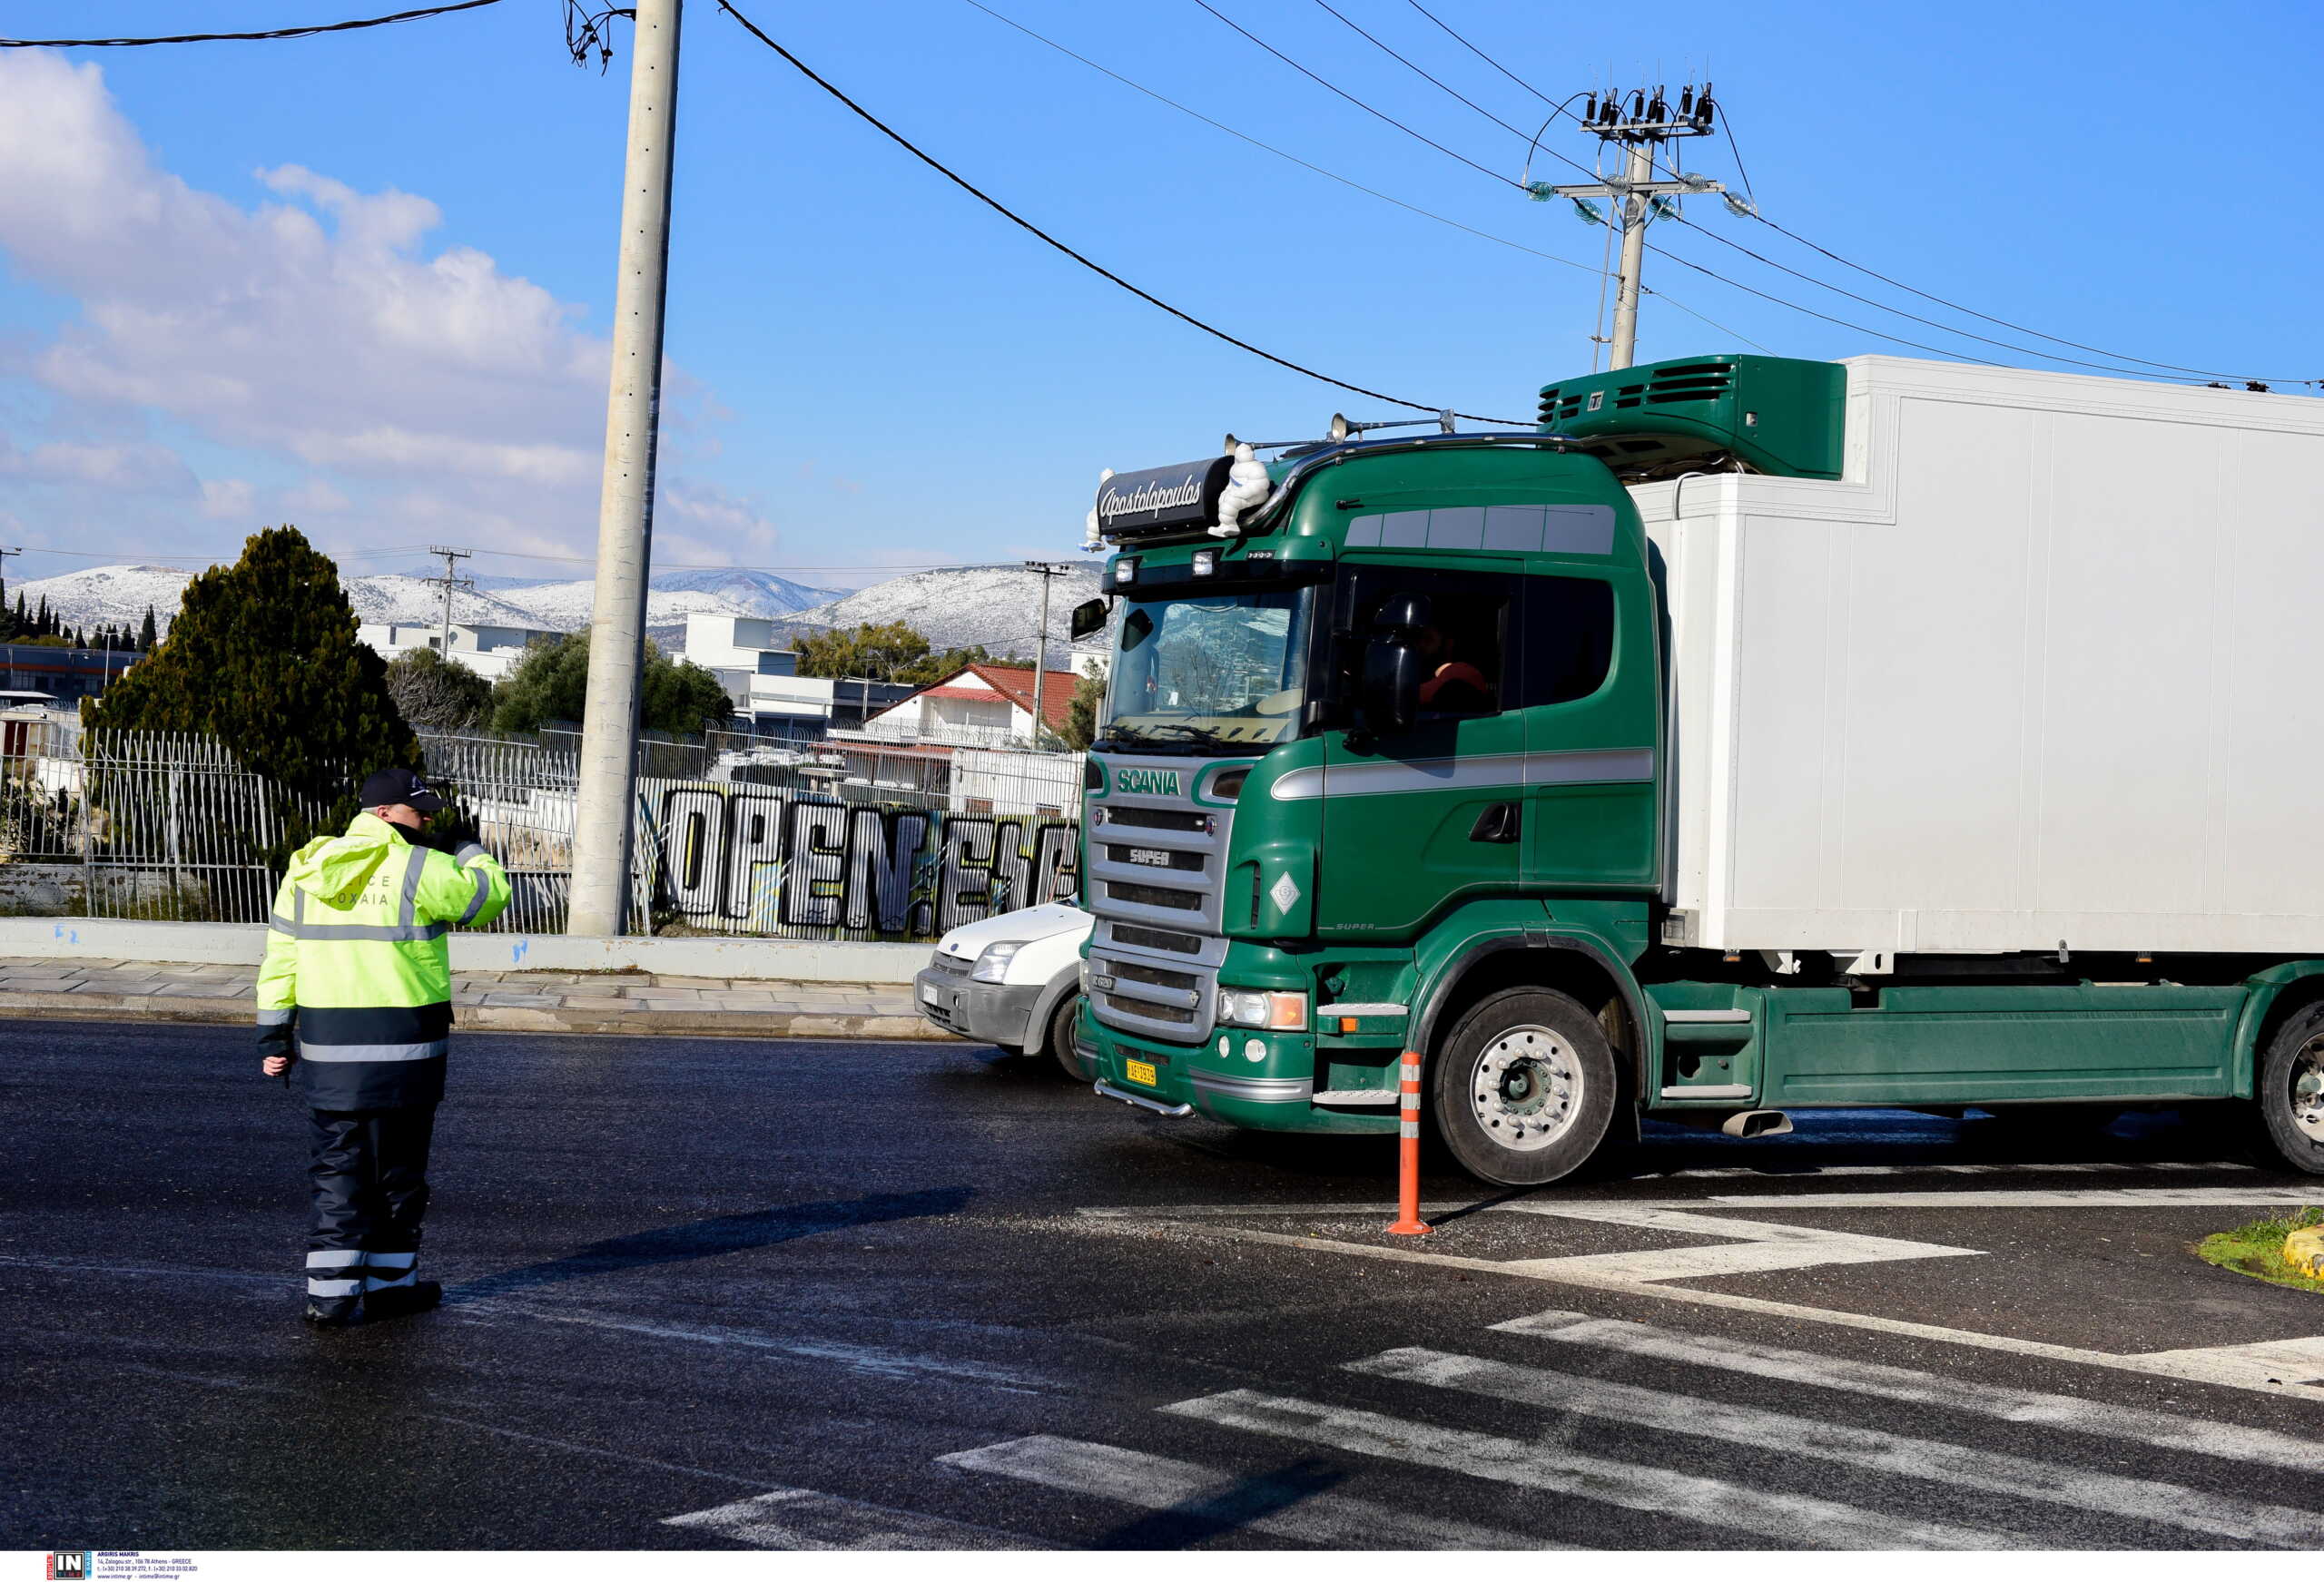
[[719, 1294]]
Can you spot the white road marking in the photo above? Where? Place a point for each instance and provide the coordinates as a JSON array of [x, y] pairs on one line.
[[1794, 1520], [1783, 1434], [801, 1519], [2137, 1425], [876, 1359], [1752, 1247], [1332, 1521], [1648, 1274], [2294, 1361], [2092, 1197], [1780, 1170]]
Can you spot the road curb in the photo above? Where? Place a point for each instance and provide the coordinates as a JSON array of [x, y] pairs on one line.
[[231, 1012], [2304, 1251]]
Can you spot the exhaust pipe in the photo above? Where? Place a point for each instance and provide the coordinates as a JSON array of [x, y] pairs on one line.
[[1756, 1124]]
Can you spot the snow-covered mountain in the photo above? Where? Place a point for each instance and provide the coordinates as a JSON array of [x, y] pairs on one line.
[[411, 601], [955, 607], [997, 606], [108, 595]]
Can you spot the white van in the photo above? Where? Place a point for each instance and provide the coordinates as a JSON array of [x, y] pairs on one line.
[[1013, 980]]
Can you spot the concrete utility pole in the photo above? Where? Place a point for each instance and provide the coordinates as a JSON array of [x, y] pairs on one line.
[[603, 817], [1049, 570], [450, 579], [1650, 121]]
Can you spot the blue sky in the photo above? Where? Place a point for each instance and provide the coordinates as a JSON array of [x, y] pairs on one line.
[[359, 282]]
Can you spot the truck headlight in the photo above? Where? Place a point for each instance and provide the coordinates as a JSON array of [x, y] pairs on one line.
[[1257, 1007], [995, 960]]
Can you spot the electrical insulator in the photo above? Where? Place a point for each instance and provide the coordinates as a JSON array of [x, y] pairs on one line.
[[1590, 111], [1655, 110], [1704, 111], [1687, 102], [1637, 103]]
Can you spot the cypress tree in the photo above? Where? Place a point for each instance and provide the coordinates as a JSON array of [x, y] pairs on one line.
[[262, 656], [21, 626], [146, 639], [45, 625]]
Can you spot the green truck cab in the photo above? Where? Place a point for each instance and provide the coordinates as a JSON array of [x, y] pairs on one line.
[[1388, 762]]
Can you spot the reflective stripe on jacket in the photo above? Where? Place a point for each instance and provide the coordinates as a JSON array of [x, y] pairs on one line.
[[357, 966]]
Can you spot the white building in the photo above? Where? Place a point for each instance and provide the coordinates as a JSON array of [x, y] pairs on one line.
[[764, 681], [491, 652]]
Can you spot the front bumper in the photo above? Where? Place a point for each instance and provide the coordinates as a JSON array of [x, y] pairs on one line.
[[1222, 1085], [989, 1013]]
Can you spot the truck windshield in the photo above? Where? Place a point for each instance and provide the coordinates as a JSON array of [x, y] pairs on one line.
[[1223, 671]]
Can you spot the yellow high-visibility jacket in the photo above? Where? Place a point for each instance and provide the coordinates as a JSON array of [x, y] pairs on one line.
[[356, 970]]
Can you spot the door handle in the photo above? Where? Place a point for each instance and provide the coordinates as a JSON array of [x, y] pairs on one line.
[[1498, 824]]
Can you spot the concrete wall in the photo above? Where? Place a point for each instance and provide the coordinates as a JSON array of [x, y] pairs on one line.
[[242, 944]]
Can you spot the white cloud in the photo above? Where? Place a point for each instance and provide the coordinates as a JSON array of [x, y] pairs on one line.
[[315, 329]]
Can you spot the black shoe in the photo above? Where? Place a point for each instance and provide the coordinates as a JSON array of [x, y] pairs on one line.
[[334, 1312], [399, 1301]]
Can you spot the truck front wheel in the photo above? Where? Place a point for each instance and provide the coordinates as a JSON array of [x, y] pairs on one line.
[[2291, 1091], [1524, 1088]]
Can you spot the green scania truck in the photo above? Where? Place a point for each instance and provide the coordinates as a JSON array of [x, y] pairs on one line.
[[1752, 735]]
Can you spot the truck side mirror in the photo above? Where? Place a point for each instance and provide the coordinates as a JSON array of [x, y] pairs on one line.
[[1392, 664], [1088, 618]]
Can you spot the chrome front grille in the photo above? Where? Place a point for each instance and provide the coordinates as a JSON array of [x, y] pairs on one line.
[[1156, 867]]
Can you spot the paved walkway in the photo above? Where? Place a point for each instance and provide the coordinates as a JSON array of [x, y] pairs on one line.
[[544, 1002]]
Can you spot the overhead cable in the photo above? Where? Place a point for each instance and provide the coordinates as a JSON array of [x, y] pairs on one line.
[[1849, 264], [1013, 217], [271, 32]]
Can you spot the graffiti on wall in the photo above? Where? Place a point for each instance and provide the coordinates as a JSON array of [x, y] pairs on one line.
[[755, 861]]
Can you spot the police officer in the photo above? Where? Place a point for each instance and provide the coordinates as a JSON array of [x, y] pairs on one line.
[[356, 992]]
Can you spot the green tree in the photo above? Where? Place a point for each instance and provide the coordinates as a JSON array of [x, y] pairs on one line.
[[264, 657], [1081, 715], [551, 684], [890, 651], [430, 690], [147, 638]]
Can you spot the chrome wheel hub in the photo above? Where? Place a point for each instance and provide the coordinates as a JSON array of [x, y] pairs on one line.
[[2308, 1089], [1526, 1088]]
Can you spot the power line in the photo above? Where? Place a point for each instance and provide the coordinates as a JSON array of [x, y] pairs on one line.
[[243, 37], [1269, 147], [1012, 216], [1360, 104], [1400, 60], [1736, 151]]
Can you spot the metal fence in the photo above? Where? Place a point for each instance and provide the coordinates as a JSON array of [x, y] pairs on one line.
[[142, 825], [833, 840]]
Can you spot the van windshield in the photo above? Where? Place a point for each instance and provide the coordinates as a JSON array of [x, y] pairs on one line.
[[1198, 672]]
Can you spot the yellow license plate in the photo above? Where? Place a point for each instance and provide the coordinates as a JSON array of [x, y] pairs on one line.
[[1140, 1071]]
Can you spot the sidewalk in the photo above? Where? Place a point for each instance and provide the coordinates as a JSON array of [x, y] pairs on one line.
[[632, 1003]]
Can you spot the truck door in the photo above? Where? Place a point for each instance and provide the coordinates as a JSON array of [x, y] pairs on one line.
[[1588, 688], [1416, 820]]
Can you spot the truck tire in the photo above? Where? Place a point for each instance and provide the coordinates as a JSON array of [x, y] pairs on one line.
[[1059, 1039], [1524, 1088], [2291, 1091]]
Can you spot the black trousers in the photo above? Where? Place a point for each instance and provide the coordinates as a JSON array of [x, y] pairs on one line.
[[369, 1170]]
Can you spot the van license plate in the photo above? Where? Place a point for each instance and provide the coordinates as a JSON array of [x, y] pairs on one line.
[[928, 996], [1140, 1071]]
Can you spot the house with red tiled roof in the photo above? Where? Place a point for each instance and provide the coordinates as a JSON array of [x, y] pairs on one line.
[[979, 705]]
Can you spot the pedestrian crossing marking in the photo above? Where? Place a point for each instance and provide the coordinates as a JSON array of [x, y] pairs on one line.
[[1271, 1505], [1793, 1520], [801, 1519], [1784, 1434], [1748, 1246], [2137, 1425]]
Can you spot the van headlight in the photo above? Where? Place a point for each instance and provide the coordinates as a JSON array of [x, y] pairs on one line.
[[1260, 1008], [995, 960]]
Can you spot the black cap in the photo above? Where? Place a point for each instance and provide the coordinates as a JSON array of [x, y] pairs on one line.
[[384, 788]]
